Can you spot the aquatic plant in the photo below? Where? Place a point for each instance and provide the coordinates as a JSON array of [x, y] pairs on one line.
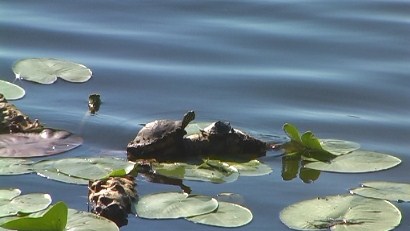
[[33, 212], [46, 70], [11, 91], [392, 191], [333, 155], [195, 208], [341, 212]]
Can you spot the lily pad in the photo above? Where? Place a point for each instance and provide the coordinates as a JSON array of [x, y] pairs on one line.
[[358, 161], [14, 166], [7, 194], [46, 70], [88, 168], [210, 171], [59, 218], [384, 190], [46, 169], [52, 219], [342, 212], [48, 142], [252, 168], [84, 221], [172, 205], [11, 91], [27, 203], [339, 147], [227, 215]]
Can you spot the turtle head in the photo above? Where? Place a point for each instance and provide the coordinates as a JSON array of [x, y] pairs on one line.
[[188, 117]]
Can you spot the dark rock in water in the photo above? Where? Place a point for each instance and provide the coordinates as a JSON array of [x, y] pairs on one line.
[[112, 198], [160, 139], [164, 140]]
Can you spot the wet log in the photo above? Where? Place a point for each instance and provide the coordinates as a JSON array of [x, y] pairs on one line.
[[112, 198], [12, 120]]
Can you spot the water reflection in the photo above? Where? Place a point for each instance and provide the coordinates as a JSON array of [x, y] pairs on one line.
[[294, 167]]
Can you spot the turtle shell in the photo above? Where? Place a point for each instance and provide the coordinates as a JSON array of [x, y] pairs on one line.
[[218, 128], [159, 138]]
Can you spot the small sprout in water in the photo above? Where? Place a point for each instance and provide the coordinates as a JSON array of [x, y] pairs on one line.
[[94, 103]]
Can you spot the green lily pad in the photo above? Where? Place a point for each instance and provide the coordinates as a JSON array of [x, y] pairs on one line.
[[7, 194], [251, 168], [342, 212], [172, 205], [27, 203], [89, 168], [46, 70], [384, 190], [210, 171], [48, 142], [358, 161], [84, 221], [339, 147], [52, 219], [227, 215], [46, 169], [11, 91], [12, 166]]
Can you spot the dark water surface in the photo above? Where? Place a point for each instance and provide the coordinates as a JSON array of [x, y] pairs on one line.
[[338, 68]]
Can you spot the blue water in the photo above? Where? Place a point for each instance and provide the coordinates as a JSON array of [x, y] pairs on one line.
[[338, 68]]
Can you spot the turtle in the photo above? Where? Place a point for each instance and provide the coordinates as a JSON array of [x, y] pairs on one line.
[[220, 140], [160, 139], [218, 128]]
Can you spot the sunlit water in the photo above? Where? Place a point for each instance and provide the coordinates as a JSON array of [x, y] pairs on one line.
[[339, 68]]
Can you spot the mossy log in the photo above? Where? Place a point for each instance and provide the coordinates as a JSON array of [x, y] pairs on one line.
[[12, 120], [112, 198]]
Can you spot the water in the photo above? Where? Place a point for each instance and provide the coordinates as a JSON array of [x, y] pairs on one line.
[[339, 68]]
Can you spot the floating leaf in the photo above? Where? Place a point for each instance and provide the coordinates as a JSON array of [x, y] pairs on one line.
[[357, 162], [45, 143], [292, 132], [12, 166], [339, 147], [52, 219], [90, 168], [212, 171], [251, 168], [172, 205], [46, 70], [46, 169], [84, 221], [27, 203], [384, 190], [7, 194], [343, 212], [227, 215], [11, 91]]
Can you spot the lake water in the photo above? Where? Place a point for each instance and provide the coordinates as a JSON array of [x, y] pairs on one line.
[[338, 68]]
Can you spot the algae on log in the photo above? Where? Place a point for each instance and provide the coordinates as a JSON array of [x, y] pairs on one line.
[[12, 120], [112, 198]]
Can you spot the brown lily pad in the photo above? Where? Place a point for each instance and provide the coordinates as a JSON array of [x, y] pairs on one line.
[[48, 142]]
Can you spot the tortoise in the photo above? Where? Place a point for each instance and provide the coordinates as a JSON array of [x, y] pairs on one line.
[[220, 140], [160, 139]]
